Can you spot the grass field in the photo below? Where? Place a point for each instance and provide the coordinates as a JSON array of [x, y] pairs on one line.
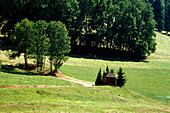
[[76, 99], [17, 79], [150, 78]]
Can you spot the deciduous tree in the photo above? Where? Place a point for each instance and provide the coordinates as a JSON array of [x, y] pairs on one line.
[[40, 42], [23, 38], [59, 44]]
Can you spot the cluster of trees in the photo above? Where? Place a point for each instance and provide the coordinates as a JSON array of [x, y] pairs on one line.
[[120, 80], [162, 13], [112, 28], [41, 39]]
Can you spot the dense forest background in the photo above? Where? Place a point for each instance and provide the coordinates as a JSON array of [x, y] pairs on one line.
[[107, 28]]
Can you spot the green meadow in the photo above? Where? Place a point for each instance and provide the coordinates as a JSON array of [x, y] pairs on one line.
[[32, 80], [76, 99], [147, 88], [150, 78]]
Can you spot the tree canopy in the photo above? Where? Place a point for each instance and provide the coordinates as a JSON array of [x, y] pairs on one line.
[[59, 44], [40, 39], [119, 28], [23, 39]]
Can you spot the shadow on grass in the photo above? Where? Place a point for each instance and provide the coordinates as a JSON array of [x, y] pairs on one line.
[[12, 69], [109, 59]]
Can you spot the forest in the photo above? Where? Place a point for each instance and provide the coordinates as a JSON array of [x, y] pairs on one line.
[[106, 28]]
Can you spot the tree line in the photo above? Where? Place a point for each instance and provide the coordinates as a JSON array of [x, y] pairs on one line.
[[109, 28], [41, 39], [162, 14]]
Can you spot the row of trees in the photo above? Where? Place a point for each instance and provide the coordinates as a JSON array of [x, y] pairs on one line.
[[162, 13], [114, 28], [41, 39]]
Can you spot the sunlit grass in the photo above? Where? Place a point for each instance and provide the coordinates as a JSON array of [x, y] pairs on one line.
[[16, 79], [150, 78], [76, 99]]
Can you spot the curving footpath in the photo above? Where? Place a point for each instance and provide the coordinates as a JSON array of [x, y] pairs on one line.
[[78, 82]]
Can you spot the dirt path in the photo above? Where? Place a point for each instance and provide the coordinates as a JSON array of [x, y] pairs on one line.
[[78, 82], [62, 76]]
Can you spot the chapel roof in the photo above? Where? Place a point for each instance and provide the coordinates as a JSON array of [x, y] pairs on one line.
[[111, 75]]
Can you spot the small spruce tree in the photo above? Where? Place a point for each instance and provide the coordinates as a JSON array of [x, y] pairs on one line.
[[107, 69], [99, 79], [112, 71], [121, 80]]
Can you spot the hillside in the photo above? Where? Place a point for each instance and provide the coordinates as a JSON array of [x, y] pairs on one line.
[[148, 83], [76, 99], [150, 78]]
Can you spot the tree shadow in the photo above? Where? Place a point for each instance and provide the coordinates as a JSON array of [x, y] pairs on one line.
[[12, 69], [109, 59]]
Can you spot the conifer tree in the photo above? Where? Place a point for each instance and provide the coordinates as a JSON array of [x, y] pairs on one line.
[[112, 71], [107, 69], [99, 79], [121, 80], [167, 15], [159, 11]]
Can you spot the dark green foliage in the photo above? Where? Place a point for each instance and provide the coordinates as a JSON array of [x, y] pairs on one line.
[[107, 69], [59, 44], [99, 79], [121, 79], [40, 41], [120, 28], [159, 11], [167, 15], [23, 39], [112, 71]]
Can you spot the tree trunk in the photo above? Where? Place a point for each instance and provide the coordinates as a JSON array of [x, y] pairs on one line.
[[55, 70], [26, 62]]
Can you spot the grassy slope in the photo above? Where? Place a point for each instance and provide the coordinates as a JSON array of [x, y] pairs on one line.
[[16, 79], [79, 99], [147, 78], [19, 77]]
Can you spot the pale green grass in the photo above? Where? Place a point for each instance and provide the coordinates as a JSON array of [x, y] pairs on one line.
[[163, 47], [16, 79], [76, 99], [150, 78]]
